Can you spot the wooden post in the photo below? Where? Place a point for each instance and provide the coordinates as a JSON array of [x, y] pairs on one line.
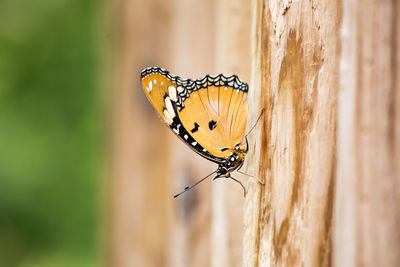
[[232, 56], [192, 56], [288, 222], [367, 211], [149, 164], [139, 192]]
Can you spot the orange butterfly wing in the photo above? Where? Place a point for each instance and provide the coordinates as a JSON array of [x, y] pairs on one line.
[[155, 86], [221, 115], [209, 114]]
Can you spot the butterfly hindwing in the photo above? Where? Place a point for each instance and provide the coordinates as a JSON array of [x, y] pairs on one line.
[[217, 125], [209, 114]]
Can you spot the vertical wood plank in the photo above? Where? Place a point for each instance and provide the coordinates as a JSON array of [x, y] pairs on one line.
[[368, 179], [148, 226], [252, 203], [139, 228], [288, 222], [192, 56], [232, 57]]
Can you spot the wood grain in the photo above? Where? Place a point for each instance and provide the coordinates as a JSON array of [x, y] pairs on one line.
[[192, 56], [147, 226], [328, 145], [138, 192], [295, 69], [233, 40], [367, 214]]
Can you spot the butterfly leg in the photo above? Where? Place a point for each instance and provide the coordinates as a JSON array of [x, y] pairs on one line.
[[252, 128], [262, 183], [236, 180]]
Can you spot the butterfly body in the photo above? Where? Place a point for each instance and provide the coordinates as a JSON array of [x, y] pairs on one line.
[[208, 114], [233, 162]]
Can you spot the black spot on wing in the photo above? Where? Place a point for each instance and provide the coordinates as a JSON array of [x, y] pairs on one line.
[[224, 149], [178, 128], [212, 124], [196, 128]]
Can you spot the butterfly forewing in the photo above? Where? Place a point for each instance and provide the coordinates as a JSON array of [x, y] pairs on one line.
[[208, 114], [155, 86]]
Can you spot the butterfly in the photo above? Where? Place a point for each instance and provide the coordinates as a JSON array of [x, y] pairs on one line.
[[209, 115]]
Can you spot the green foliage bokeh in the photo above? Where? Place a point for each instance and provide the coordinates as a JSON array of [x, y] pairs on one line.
[[50, 127]]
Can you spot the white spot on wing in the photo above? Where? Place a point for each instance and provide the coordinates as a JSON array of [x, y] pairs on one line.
[[150, 86], [194, 143], [167, 116], [169, 107], [185, 136], [180, 89], [172, 93]]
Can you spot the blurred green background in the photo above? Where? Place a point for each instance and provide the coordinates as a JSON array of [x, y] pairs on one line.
[[51, 133]]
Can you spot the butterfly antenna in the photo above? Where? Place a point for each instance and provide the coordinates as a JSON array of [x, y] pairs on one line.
[[251, 176], [252, 128], [187, 188]]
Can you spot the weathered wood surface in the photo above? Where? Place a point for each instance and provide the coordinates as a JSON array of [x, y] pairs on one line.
[[328, 146], [288, 222], [367, 210]]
